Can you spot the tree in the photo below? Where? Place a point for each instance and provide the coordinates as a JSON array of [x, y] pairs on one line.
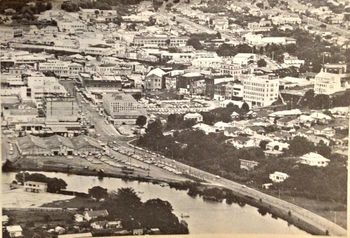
[[263, 144], [155, 129], [245, 108], [261, 63], [299, 146], [195, 43], [141, 121], [226, 50], [98, 192], [128, 198]]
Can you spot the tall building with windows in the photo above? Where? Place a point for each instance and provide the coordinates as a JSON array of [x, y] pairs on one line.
[[122, 108], [260, 91], [332, 78]]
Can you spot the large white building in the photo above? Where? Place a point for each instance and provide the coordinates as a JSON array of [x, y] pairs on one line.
[[160, 41], [122, 108], [332, 78], [260, 91], [314, 159]]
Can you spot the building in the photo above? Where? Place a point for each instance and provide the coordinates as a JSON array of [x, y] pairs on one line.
[[278, 177], [40, 87], [14, 231], [231, 68], [63, 69], [35, 187], [122, 108], [314, 159], [154, 79], [260, 91], [332, 78], [194, 116], [71, 26], [286, 19], [60, 109], [248, 164], [89, 215], [160, 41], [228, 90]]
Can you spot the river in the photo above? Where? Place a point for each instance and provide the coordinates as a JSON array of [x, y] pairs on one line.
[[204, 216]]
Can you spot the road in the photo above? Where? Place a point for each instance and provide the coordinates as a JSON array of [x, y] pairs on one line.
[[296, 211]]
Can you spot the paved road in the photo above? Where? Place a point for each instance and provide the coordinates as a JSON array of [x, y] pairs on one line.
[[296, 211]]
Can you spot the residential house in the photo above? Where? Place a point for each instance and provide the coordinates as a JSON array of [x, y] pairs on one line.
[[14, 231], [93, 214], [78, 218], [35, 187], [137, 232], [248, 164], [205, 128], [193, 116], [99, 225], [240, 142], [278, 177], [314, 159]]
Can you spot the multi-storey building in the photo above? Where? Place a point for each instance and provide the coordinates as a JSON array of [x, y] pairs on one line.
[[61, 68], [230, 68], [260, 91], [160, 41], [332, 78], [122, 108]]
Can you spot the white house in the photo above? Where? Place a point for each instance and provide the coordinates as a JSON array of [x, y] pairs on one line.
[[88, 215], [205, 128], [14, 231], [35, 187], [278, 177], [194, 116], [314, 159]]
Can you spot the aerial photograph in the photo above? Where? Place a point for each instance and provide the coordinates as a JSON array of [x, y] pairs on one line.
[[174, 117]]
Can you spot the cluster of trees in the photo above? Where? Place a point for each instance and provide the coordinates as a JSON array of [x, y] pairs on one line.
[[19, 5], [54, 185], [206, 152], [300, 145], [223, 114], [71, 6], [322, 101], [126, 205], [176, 121]]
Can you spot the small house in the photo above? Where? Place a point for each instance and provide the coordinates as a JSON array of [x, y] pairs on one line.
[[248, 164], [137, 232], [78, 218], [99, 225], [14, 231], [278, 177], [35, 187], [314, 159], [88, 215], [194, 116]]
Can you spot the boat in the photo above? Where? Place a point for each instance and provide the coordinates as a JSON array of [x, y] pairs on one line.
[[184, 215]]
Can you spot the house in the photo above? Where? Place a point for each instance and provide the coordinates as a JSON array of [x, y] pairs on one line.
[[241, 142], [89, 215], [248, 164], [194, 116], [114, 225], [137, 232], [276, 145], [99, 225], [205, 128], [314, 159], [78, 218], [278, 177], [154, 79], [221, 126], [231, 131], [14, 231], [4, 220], [35, 187], [235, 115]]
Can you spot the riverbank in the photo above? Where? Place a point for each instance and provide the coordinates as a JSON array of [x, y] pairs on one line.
[[236, 196]]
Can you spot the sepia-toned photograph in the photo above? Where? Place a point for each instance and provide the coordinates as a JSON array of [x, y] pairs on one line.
[[174, 117]]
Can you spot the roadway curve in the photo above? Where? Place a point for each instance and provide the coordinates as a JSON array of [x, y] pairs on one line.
[[301, 214]]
